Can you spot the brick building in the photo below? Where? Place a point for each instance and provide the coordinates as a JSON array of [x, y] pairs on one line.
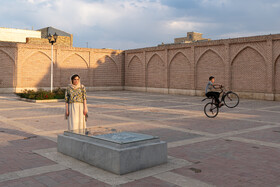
[[191, 37], [17, 35], [26, 65], [249, 66]]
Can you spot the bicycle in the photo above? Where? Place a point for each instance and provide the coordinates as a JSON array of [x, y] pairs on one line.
[[229, 98]]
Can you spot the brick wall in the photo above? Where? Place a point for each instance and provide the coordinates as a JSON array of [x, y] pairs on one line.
[[17, 35], [96, 67], [249, 66], [156, 72], [7, 64], [64, 41], [180, 72], [107, 72], [277, 75]]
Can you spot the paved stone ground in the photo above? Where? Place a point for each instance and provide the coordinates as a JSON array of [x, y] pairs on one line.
[[240, 147]]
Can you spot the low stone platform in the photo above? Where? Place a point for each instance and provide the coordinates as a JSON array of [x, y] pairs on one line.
[[119, 153]]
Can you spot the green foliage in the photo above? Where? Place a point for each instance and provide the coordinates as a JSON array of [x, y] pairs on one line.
[[41, 94]]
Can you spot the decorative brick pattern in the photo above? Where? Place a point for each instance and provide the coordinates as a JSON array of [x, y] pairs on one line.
[[135, 73], [180, 72], [107, 73], [276, 49], [6, 69], [96, 67], [249, 71], [61, 41], [74, 64], [156, 72], [249, 65], [209, 64], [277, 75], [35, 71]]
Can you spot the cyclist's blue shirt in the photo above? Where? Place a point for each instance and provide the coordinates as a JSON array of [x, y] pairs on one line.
[[209, 87]]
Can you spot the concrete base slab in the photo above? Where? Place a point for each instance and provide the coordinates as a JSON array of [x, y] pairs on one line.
[[108, 177], [119, 153]]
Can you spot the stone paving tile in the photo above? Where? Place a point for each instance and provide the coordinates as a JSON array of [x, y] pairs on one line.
[[215, 126], [229, 163], [95, 110], [55, 179], [148, 182], [164, 134], [59, 122], [106, 100], [143, 115], [268, 135], [36, 110], [97, 120], [160, 104], [256, 104], [14, 103], [263, 116], [17, 153], [46, 123], [51, 104], [274, 109], [189, 107], [183, 98], [199, 107]]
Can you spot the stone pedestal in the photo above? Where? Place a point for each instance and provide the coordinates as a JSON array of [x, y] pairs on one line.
[[119, 153]]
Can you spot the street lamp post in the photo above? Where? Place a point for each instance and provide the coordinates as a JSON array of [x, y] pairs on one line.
[[52, 39]]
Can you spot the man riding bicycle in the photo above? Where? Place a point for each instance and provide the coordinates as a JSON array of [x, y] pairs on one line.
[[210, 90]]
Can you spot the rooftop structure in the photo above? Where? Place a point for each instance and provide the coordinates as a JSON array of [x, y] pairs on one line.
[[191, 37], [17, 35], [51, 30]]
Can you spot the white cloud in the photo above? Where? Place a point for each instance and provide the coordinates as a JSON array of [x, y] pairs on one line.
[[181, 25], [138, 23], [241, 34], [36, 1], [217, 3]]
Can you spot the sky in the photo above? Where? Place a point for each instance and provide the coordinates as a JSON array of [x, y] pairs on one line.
[[129, 24]]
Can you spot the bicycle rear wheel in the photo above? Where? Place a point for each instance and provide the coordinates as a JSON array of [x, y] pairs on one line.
[[211, 110], [231, 99]]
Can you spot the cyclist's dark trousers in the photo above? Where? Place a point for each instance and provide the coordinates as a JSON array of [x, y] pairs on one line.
[[216, 95]]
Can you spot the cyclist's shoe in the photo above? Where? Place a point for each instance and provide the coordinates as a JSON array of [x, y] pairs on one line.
[[221, 104]]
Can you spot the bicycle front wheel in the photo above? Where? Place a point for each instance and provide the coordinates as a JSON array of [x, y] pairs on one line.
[[211, 110], [231, 99]]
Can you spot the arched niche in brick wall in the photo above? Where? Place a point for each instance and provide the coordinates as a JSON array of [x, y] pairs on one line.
[[106, 72], [135, 75], [156, 72], [209, 64], [277, 75], [180, 72], [7, 65], [249, 71], [35, 71], [73, 64]]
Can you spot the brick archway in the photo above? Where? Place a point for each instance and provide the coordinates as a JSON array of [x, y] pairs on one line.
[[6, 70], [135, 73], [156, 72], [106, 72], [249, 71], [73, 64], [277, 75], [179, 72], [209, 64]]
